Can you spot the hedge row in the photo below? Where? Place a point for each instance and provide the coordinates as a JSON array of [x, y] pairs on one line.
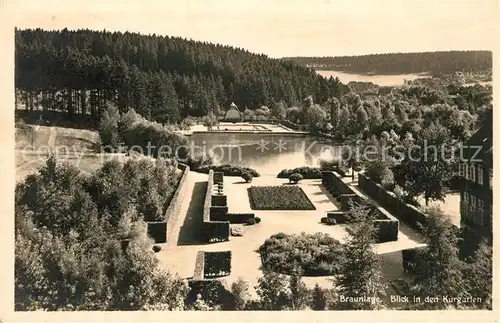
[[233, 218], [347, 201], [334, 184], [217, 264], [386, 230], [387, 227], [306, 172], [213, 231], [407, 213], [228, 170]]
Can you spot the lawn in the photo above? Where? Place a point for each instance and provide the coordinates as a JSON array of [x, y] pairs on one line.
[[279, 198]]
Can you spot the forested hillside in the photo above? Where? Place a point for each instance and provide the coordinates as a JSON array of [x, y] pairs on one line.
[[163, 78], [402, 63]]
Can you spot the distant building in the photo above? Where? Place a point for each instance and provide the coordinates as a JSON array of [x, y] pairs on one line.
[[233, 114], [476, 196]]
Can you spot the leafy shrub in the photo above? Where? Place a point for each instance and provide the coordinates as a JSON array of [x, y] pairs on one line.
[[247, 177], [295, 178], [398, 191], [306, 172], [376, 170], [199, 160], [316, 254], [328, 220], [387, 179], [156, 248], [334, 165], [279, 198], [228, 170], [257, 219], [330, 164]]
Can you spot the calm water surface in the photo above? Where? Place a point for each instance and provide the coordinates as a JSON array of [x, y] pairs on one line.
[[267, 153]]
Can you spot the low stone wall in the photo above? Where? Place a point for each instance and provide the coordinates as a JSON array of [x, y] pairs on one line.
[[179, 194], [199, 266], [407, 213], [158, 230]]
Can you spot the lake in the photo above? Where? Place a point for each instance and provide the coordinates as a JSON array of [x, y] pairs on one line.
[[267, 153], [382, 80]]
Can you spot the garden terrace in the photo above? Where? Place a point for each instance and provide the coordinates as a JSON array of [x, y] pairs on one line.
[[407, 213], [279, 198]]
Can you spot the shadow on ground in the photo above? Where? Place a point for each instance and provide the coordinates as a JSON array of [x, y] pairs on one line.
[[190, 232]]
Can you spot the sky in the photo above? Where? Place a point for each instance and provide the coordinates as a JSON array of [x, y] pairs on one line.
[[284, 28]]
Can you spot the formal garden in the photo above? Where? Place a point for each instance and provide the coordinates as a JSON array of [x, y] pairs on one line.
[[279, 198]]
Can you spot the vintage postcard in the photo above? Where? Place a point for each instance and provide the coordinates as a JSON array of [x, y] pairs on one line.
[[251, 160]]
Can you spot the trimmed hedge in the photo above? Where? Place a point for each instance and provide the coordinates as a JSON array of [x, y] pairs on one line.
[[347, 201], [386, 230], [306, 172], [279, 198], [213, 231], [407, 213], [158, 231], [218, 212], [240, 218], [219, 200], [217, 264], [218, 177], [334, 184]]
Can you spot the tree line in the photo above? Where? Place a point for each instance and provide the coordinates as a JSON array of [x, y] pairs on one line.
[[163, 78], [403, 63]]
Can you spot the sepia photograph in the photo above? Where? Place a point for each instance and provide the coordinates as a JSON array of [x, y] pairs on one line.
[[251, 156]]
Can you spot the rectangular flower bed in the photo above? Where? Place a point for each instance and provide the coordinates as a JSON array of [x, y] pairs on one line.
[[279, 198]]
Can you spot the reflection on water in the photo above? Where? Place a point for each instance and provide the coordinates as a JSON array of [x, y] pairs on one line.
[[382, 80], [267, 153]]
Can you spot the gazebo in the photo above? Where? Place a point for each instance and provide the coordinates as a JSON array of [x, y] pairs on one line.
[[233, 114]]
